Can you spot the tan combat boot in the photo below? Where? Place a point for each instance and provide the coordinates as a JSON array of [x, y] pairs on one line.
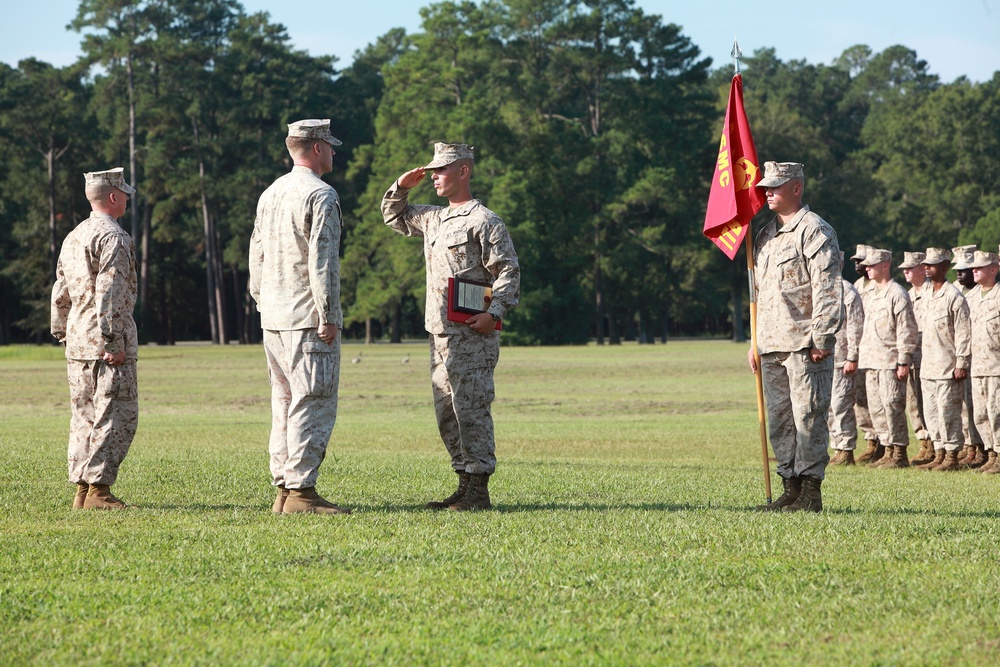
[[880, 461], [898, 459], [965, 454], [811, 499], [99, 498], [279, 500], [793, 487], [848, 458], [934, 462], [81, 495], [463, 486], [925, 455], [836, 459], [873, 449], [979, 459], [990, 465], [307, 501], [477, 497], [949, 463]]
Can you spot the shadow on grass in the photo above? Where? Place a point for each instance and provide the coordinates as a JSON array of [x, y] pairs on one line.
[[513, 508]]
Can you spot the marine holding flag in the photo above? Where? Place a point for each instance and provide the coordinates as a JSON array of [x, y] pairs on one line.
[[800, 310]]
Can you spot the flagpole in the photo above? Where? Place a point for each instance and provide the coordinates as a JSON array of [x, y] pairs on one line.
[[759, 375]]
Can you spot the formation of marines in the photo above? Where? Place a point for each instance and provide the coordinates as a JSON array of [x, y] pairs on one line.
[[930, 355]]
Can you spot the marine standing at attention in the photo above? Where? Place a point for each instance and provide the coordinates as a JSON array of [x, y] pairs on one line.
[[913, 273], [984, 304], [842, 421], [92, 302], [946, 347], [887, 347], [295, 280], [864, 286], [469, 241], [800, 309]]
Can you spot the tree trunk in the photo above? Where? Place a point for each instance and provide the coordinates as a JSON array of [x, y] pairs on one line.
[[598, 294], [144, 309], [131, 138], [369, 340], [237, 302], [397, 324], [739, 335], [50, 159], [666, 323], [215, 302], [220, 283]]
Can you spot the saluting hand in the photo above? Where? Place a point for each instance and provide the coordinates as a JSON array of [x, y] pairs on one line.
[[411, 178]]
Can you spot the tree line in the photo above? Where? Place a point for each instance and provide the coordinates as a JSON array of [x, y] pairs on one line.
[[596, 128]]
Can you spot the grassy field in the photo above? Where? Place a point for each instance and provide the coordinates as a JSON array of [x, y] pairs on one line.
[[622, 532]]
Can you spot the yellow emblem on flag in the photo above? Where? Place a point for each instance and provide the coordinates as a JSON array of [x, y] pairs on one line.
[[745, 172]]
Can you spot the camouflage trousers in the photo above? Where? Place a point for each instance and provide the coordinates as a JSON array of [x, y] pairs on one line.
[[798, 392], [104, 403], [915, 403], [304, 373], [862, 415], [970, 434], [887, 404], [943, 410], [462, 381], [842, 421], [986, 404]]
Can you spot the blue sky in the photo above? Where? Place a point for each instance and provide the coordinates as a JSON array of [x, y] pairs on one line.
[[956, 38]]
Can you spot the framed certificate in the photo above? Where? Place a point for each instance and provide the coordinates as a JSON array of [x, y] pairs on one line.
[[468, 297]]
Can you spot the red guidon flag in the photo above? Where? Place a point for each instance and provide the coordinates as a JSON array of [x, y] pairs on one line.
[[734, 200]]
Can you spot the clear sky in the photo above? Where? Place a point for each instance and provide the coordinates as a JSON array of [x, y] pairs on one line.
[[956, 37]]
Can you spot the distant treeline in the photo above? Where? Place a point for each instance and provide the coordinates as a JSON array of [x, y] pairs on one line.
[[596, 128]]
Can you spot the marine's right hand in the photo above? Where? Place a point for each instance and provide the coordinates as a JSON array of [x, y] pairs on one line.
[[411, 178], [752, 360]]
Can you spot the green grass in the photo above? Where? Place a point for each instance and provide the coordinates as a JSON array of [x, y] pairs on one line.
[[621, 533]]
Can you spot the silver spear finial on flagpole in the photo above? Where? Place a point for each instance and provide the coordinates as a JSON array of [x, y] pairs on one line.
[[736, 54]]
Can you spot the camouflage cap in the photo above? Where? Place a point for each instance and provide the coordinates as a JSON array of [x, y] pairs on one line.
[[877, 256], [445, 154], [937, 256], [963, 255], [313, 128], [912, 259], [981, 260], [861, 253], [113, 177], [779, 173]]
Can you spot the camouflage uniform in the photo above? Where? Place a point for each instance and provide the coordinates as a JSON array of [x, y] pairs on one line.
[[295, 280], [914, 392], [970, 434], [800, 306], [946, 347], [985, 310], [469, 242], [889, 339], [862, 415], [842, 421], [92, 302]]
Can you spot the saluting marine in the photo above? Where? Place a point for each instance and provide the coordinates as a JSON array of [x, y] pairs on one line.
[[469, 241]]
